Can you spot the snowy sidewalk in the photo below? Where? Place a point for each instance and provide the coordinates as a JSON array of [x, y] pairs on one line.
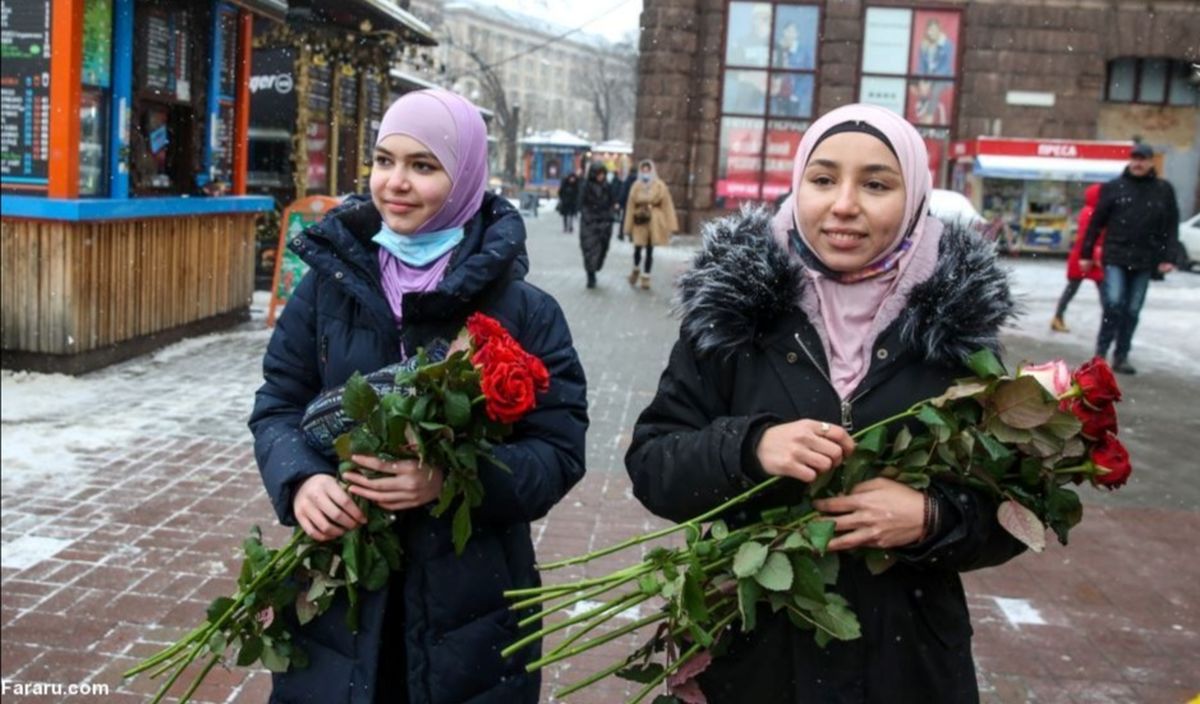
[[126, 494]]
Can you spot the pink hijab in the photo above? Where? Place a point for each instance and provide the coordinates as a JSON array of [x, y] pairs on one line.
[[850, 316]]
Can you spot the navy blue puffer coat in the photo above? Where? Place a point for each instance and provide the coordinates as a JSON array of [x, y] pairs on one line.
[[455, 620]]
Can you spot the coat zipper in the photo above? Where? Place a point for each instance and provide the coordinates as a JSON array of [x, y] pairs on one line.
[[847, 404]]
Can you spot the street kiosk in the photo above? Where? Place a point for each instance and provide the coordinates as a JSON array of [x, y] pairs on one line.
[[1034, 187], [126, 224]]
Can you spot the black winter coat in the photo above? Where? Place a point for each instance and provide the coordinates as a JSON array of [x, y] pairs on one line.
[[747, 358], [1142, 221], [568, 196], [595, 228], [455, 620]]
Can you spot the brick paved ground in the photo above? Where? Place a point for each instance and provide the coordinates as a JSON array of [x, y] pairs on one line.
[[114, 548]]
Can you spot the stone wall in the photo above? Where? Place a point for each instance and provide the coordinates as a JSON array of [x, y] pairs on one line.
[[1053, 46]]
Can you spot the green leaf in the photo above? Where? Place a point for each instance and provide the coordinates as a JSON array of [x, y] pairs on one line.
[[1022, 402], [350, 555], [649, 584], [819, 533], [1031, 471], [642, 674], [964, 388], [358, 398], [903, 438], [251, 649], [691, 534], [693, 600], [273, 660], [343, 446], [796, 541], [817, 485], [985, 364], [837, 619], [218, 607], [306, 611], [1064, 425], [461, 529], [216, 644], [994, 449], [809, 580], [878, 561], [376, 573], [931, 416], [719, 530], [776, 573], [749, 559], [854, 470], [748, 593], [1006, 433], [829, 564], [1065, 512], [873, 441], [1023, 524], [916, 480], [458, 409]]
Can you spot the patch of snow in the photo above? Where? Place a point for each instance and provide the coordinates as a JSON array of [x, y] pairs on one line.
[[28, 550], [1018, 611]]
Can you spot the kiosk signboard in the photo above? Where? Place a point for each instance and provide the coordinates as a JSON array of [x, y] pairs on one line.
[[25, 95]]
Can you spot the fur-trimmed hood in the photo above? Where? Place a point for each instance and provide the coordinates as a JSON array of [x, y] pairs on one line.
[[742, 281]]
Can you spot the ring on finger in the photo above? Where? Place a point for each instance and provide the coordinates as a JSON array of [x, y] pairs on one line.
[[824, 428]]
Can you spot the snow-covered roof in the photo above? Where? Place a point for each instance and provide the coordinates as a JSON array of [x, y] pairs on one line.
[[556, 138], [614, 146]]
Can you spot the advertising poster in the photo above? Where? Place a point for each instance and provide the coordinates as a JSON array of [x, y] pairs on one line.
[[289, 267], [783, 139], [749, 35], [886, 44], [97, 43], [791, 94], [796, 37], [885, 92], [741, 158], [930, 102], [745, 92], [934, 43]]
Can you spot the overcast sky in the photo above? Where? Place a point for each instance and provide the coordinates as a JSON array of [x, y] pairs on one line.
[[614, 18]]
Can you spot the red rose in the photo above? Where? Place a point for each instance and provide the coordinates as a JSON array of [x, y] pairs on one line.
[[1096, 381], [510, 379], [483, 328], [1096, 422], [1112, 459]]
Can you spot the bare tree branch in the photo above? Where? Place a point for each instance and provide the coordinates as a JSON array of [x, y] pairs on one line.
[[507, 116]]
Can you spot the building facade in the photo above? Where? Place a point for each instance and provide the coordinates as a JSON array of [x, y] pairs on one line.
[[726, 89], [551, 77]]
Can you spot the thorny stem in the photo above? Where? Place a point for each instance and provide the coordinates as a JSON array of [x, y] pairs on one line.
[[588, 645]]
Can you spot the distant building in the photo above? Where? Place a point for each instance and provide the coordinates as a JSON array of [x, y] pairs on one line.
[[548, 75], [726, 89]]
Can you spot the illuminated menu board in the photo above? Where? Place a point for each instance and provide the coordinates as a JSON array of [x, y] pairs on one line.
[[24, 95]]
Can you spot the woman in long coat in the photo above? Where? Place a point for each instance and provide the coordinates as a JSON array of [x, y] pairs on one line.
[[849, 307], [568, 201], [649, 219], [595, 228], [390, 274]]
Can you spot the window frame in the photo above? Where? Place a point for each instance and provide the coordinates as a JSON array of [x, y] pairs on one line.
[[1139, 62], [766, 116]]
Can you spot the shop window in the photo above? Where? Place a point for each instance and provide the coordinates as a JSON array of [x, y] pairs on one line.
[[94, 98], [164, 116], [1152, 81], [910, 65], [768, 91]]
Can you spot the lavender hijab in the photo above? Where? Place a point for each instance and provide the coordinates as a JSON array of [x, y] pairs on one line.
[[452, 129], [851, 315]]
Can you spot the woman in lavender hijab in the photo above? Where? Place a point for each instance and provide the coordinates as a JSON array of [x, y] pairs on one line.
[[392, 273]]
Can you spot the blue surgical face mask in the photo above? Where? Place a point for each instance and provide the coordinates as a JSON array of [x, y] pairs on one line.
[[645, 178], [418, 250]]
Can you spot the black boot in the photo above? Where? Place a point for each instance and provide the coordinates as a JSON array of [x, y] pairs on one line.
[[591, 279], [1122, 366]]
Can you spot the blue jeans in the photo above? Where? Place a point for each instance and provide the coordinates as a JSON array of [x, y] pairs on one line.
[[1123, 292]]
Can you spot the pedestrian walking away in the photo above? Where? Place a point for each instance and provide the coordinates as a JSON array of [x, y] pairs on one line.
[[1075, 274], [1140, 218], [845, 308], [595, 222], [390, 274], [568, 201], [649, 219], [630, 179]]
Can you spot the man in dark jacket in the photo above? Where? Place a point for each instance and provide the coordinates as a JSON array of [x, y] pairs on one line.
[[448, 610], [1139, 211]]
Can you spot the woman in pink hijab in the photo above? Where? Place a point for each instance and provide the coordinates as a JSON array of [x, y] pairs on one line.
[[845, 308]]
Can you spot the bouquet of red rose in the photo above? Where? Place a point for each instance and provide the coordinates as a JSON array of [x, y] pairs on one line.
[[447, 414], [1024, 440]]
